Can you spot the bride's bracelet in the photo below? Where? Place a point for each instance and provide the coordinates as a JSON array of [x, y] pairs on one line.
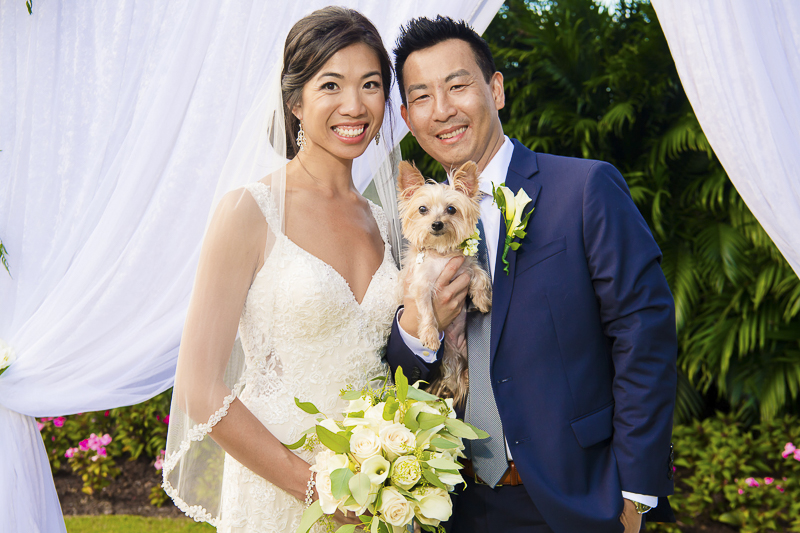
[[310, 490]]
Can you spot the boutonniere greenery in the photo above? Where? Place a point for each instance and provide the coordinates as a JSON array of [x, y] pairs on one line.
[[512, 207]]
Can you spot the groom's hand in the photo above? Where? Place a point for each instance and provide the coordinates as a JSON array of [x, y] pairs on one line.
[[630, 518], [450, 292]]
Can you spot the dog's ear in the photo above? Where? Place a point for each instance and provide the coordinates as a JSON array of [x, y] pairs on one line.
[[409, 180], [465, 179]]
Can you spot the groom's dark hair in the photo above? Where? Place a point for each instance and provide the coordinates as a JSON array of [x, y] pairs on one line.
[[422, 33]]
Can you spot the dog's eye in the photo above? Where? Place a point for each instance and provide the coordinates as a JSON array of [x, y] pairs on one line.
[[451, 210], [423, 210]]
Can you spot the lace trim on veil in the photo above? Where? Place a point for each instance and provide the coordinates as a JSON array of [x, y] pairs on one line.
[[196, 434]]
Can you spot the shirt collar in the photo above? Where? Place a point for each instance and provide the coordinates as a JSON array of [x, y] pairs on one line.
[[495, 172]]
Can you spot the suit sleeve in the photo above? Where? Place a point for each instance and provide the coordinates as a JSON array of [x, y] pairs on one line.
[[399, 354], [638, 316]]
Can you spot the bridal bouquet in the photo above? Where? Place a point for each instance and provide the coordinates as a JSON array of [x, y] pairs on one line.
[[391, 459]]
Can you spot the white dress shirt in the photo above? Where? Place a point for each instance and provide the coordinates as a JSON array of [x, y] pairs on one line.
[[494, 174]]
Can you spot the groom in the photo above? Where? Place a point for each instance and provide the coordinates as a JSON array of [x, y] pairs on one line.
[[579, 351]]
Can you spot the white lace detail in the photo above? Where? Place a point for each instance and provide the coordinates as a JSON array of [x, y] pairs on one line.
[[304, 335]]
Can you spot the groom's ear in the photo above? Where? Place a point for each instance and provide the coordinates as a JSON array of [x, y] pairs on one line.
[[409, 180], [404, 114]]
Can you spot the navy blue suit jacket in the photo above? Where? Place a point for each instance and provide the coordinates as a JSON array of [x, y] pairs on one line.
[[583, 345]]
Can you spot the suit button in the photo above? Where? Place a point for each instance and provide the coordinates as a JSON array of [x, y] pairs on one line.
[[499, 381]]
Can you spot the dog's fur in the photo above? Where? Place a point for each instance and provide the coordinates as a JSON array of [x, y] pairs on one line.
[[423, 206]]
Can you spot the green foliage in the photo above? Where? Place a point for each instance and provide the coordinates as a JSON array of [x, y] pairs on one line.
[[4, 257], [583, 82], [136, 430], [719, 463]]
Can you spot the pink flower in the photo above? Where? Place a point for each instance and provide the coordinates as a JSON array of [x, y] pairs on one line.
[[166, 419], [95, 458], [59, 422], [106, 413], [751, 482], [741, 491], [159, 464], [40, 425], [158, 418], [779, 488], [788, 450], [102, 452], [84, 445], [46, 419], [797, 455], [105, 440], [53, 438], [768, 480], [70, 452]]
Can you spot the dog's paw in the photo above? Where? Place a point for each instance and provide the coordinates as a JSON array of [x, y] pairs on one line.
[[483, 301], [429, 337]]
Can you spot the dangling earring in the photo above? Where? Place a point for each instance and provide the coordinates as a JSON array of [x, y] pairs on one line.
[[301, 139], [377, 138]]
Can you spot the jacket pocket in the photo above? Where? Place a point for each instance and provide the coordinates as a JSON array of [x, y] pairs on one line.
[[528, 258], [594, 427]]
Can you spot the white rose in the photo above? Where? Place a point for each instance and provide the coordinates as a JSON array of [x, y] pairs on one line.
[[7, 354], [364, 443], [327, 461], [326, 499], [377, 468], [396, 440], [433, 505], [396, 510], [406, 472]]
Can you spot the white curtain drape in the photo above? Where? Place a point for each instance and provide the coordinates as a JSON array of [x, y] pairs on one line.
[[115, 120], [739, 63]]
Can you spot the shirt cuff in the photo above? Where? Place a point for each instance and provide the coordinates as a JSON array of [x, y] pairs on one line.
[[414, 344], [650, 501]]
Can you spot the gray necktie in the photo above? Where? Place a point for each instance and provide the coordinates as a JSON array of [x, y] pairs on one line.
[[488, 455]]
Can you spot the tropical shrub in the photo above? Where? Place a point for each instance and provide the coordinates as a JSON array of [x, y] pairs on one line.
[[748, 478], [586, 83]]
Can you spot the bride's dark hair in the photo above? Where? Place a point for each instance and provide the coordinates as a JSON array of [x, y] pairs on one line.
[[311, 42]]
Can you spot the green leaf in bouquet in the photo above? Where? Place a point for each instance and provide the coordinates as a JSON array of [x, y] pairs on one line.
[[350, 500], [424, 436], [340, 479], [347, 528], [390, 408], [461, 429], [432, 478], [440, 463], [405, 493], [420, 395], [351, 395], [359, 487], [382, 379], [355, 414], [297, 444], [383, 527], [333, 441], [428, 528], [429, 420], [401, 382], [310, 516], [443, 443], [308, 407], [365, 519]]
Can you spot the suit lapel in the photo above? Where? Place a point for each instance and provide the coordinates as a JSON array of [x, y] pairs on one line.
[[522, 167]]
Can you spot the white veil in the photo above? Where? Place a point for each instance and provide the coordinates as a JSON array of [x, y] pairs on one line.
[[193, 465]]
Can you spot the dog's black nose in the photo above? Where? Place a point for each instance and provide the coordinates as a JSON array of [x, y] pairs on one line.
[[437, 226]]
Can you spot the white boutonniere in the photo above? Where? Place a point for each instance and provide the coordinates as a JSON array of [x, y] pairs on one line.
[[512, 208], [470, 244], [7, 356]]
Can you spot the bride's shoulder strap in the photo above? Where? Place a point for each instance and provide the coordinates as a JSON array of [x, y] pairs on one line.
[[262, 194]]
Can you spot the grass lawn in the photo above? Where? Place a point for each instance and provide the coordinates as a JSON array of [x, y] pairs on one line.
[[133, 524]]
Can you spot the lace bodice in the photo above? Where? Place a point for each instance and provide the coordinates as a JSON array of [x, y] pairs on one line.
[[304, 335]]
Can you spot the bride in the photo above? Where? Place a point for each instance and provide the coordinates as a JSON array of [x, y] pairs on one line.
[[300, 264]]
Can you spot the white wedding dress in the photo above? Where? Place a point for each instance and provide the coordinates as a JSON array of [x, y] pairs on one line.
[[304, 335]]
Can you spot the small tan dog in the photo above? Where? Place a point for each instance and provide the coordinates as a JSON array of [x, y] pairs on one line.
[[437, 220]]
